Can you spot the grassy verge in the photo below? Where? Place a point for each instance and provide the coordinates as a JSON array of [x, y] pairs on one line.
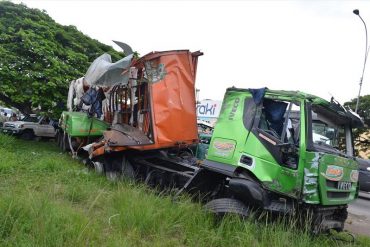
[[49, 199]]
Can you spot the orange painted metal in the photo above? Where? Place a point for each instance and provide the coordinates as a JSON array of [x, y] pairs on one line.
[[172, 101]]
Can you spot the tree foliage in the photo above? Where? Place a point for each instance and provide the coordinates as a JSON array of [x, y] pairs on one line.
[[362, 141], [363, 107], [38, 58]]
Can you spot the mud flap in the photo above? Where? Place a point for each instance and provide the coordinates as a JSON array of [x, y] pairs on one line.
[[202, 183], [249, 192]]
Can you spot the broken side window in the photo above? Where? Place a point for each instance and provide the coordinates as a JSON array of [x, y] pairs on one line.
[[280, 119], [279, 130], [329, 130]]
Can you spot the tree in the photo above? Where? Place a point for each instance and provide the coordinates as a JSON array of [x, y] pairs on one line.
[[38, 58], [362, 141]]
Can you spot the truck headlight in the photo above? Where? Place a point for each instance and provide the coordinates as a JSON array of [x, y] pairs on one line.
[[19, 126], [368, 168]]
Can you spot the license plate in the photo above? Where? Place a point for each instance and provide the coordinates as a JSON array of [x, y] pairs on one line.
[[344, 185]]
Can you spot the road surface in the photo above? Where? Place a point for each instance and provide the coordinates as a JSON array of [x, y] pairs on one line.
[[359, 215]]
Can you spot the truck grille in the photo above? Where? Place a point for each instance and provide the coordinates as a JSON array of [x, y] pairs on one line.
[[334, 185], [7, 125], [337, 195]]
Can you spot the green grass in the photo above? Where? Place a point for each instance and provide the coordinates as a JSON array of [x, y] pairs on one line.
[[49, 199]]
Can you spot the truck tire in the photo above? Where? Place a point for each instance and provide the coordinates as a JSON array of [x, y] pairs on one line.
[[127, 169], [27, 135], [98, 167], [223, 206]]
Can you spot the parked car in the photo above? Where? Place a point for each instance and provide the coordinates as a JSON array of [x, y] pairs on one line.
[[364, 176], [204, 127], [30, 127]]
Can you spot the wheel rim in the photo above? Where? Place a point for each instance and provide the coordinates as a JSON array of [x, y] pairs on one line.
[[98, 167]]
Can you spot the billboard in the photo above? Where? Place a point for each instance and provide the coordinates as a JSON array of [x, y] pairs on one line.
[[209, 108]]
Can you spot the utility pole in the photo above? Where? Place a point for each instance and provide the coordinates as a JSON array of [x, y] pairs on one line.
[[357, 12]]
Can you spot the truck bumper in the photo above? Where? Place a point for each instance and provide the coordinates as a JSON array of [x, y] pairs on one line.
[[11, 131]]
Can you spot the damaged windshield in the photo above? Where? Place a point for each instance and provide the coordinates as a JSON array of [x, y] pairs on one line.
[[329, 130]]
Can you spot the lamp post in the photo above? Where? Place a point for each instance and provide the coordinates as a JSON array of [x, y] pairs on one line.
[[357, 12]]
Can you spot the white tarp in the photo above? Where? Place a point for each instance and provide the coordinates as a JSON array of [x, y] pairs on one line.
[[102, 72]]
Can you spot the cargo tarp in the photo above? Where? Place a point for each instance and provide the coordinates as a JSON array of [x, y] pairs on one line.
[[102, 72]]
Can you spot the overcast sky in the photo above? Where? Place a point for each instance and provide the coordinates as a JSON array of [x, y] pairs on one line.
[[312, 46]]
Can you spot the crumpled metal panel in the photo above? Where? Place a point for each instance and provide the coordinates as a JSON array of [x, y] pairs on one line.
[[102, 72], [173, 98], [125, 135], [171, 80], [311, 178]]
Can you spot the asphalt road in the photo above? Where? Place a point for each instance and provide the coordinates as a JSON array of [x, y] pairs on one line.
[[359, 215]]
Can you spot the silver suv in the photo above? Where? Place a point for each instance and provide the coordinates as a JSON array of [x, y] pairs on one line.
[[30, 127]]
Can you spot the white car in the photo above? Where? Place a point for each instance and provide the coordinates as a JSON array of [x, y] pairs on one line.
[[30, 127]]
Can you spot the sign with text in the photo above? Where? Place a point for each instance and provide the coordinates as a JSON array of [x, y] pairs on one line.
[[209, 108]]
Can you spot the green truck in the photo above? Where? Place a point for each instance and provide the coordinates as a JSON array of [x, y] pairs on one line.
[[283, 152], [77, 129]]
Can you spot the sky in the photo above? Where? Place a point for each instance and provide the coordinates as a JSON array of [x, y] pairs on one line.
[[313, 46]]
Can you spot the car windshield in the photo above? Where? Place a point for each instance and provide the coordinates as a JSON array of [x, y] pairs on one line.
[[33, 119], [328, 129]]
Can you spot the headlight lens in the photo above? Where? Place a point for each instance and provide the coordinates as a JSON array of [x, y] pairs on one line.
[[368, 168]]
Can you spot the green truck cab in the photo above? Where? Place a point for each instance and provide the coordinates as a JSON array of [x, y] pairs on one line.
[[282, 151], [78, 127]]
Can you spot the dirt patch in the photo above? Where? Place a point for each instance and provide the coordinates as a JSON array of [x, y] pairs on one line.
[[358, 224]]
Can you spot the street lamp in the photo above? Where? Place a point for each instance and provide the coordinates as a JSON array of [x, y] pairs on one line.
[[357, 12]]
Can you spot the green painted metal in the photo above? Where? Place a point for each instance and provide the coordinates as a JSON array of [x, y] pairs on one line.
[[343, 168], [231, 140], [79, 124]]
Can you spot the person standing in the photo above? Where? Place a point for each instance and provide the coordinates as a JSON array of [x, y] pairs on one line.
[[3, 119], [14, 117]]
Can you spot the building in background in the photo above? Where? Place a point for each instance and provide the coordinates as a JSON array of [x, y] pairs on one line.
[[208, 110]]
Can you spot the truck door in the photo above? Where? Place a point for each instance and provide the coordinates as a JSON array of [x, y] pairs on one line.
[[274, 145]]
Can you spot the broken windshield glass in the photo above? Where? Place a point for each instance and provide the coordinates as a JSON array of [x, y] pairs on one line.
[[329, 130]]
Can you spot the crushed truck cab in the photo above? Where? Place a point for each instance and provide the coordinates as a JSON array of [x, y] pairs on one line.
[[279, 150]]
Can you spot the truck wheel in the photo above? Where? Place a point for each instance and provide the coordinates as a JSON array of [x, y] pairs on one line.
[[223, 206], [27, 135], [98, 167], [127, 168]]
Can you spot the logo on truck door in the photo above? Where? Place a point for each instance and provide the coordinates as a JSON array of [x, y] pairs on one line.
[[224, 148]]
